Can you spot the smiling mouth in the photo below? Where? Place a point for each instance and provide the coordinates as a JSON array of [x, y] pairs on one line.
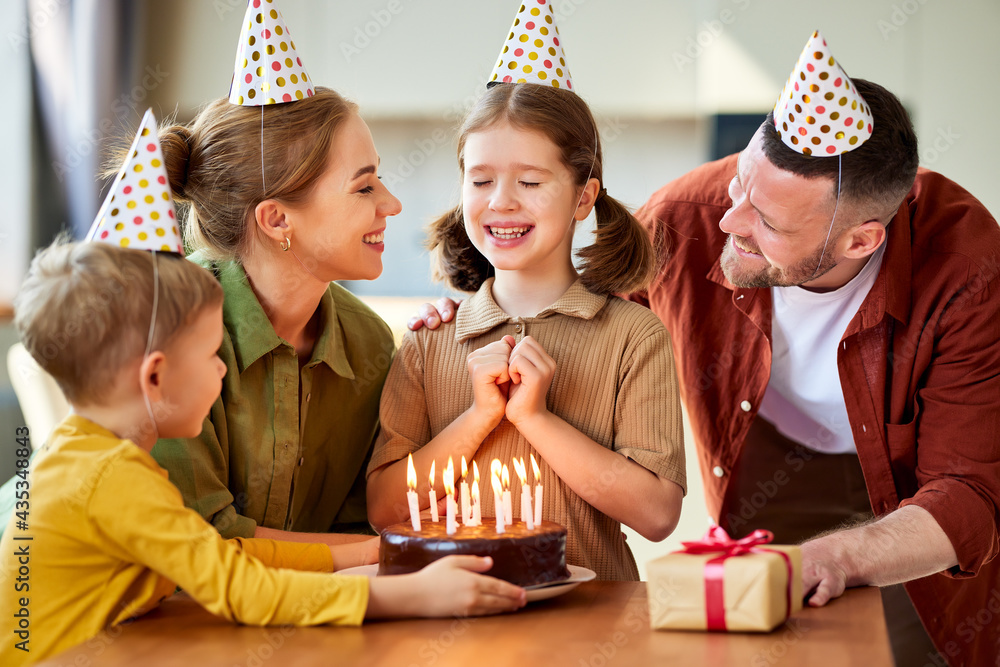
[[507, 233], [373, 239], [745, 249]]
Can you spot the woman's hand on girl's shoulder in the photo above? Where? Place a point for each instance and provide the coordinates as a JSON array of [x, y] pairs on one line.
[[432, 316]]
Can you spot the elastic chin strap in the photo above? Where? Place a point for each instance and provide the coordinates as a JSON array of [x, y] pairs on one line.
[[589, 174], [149, 342], [840, 165], [306, 268]]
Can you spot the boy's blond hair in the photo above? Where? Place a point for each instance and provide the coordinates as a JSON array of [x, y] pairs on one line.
[[84, 311]]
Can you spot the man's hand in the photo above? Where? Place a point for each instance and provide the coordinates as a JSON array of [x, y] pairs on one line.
[[822, 575], [431, 316], [901, 546]]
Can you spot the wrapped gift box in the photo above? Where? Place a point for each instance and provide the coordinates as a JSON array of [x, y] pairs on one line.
[[726, 585]]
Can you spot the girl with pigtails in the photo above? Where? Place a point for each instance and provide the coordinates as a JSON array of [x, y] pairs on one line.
[[542, 359]]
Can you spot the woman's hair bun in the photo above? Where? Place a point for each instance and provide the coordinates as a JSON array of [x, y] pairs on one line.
[[176, 143]]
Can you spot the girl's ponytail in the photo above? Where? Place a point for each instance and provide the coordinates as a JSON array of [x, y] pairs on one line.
[[457, 261], [622, 259]]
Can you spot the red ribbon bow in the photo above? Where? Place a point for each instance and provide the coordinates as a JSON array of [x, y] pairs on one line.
[[716, 540]]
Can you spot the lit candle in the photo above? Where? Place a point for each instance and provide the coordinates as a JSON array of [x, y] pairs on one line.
[[466, 508], [434, 500], [497, 497], [508, 511], [538, 492], [449, 492], [526, 515], [411, 494], [476, 517], [477, 511]]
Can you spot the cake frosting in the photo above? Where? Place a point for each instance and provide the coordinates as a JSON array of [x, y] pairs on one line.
[[520, 556]]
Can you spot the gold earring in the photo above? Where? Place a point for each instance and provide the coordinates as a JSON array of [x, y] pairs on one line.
[[286, 244]]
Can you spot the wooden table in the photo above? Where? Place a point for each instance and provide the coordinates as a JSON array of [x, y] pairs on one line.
[[596, 625]]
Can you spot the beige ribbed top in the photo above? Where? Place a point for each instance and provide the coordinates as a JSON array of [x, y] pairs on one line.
[[614, 381]]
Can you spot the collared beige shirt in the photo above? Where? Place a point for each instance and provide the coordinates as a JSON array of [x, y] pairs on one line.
[[286, 447], [614, 382]]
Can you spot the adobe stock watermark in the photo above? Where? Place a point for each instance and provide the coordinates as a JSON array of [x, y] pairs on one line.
[[986, 619], [898, 17], [371, 30], [710, 32], [123, 106], [794, 632], [943, 140], [39, 13]]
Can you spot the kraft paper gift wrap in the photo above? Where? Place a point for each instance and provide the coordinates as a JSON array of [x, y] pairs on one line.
[[751, 593]]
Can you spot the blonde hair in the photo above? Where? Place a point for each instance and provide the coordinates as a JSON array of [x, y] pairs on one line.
[[215, 165], [84, 310], [621, 258]]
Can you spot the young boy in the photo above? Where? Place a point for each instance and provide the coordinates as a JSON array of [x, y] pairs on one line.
[[108, 537]]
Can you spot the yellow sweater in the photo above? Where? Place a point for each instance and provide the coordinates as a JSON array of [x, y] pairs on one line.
[[109, 538]]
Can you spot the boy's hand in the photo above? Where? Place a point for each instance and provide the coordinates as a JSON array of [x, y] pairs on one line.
[[454, 588], [353, 554], [487, 368], [432, 317], [531, 370]]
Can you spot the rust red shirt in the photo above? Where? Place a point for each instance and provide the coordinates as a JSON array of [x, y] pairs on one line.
[[919, 365]]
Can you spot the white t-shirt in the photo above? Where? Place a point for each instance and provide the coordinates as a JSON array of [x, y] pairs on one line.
[[804, 399]]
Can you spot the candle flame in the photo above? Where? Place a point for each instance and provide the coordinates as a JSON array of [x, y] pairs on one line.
[[465, 468], [506, 477], [475, 472], [431, 477], [475, 494], [497, 490], [411, 474], [495, 468], [534, 466], [448, 478], [519, 469]]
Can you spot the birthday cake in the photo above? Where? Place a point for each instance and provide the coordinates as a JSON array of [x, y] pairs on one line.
[[520, 556]]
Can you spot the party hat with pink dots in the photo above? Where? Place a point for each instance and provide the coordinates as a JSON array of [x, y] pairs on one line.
[[819, 111], [139, 210], [533, 52], [268, 70]]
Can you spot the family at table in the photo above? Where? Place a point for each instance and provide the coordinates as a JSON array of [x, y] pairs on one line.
[[828, 313]]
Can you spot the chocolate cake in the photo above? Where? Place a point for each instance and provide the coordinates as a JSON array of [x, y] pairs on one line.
[[520, 556]]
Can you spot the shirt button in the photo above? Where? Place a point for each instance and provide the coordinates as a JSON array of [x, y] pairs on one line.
[[518, 328], [718, 471], [745, 405]]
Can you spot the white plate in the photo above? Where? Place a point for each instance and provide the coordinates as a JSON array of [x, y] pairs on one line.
[[577, 575]]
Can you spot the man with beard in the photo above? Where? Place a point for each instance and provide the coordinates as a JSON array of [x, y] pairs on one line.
[[840, 363]]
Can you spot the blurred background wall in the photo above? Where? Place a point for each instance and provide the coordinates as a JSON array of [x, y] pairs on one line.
[[673, 84]]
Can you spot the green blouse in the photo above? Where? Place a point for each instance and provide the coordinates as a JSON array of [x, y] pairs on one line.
[[286, 448]]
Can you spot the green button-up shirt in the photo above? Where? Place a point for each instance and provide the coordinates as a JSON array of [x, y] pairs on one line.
[[286, 448]]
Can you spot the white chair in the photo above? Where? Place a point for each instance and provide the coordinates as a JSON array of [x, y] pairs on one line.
[[42, 402]]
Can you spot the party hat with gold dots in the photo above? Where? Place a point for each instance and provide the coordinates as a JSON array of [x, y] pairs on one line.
[[819, 111], [139, 210], [533, 52], [268, 70]]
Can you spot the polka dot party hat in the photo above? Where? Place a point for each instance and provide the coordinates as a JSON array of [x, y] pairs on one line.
[[139, 210], [533, 52], [268, 70], [819, 112]]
